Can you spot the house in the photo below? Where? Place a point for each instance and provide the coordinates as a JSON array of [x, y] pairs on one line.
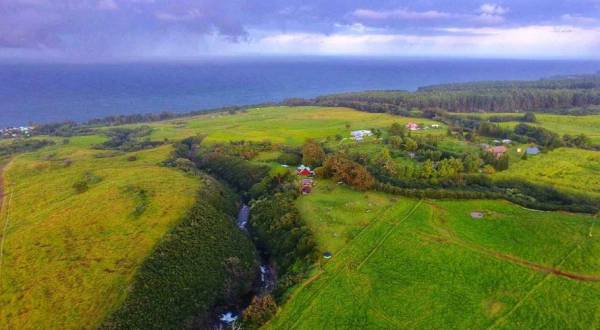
[[360, 134], [304, 171], [498, 151], [306, 186], [532, 151], [412, 126]]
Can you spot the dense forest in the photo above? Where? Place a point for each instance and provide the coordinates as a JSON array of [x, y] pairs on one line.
[[573, 94]]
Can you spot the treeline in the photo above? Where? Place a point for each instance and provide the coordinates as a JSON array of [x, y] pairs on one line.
[[128, 139], [435, 173], [591, 81], [205, 261], [551, 95], [22, 145]]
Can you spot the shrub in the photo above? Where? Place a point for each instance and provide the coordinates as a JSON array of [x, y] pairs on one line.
[[261, 310], [349, 172]]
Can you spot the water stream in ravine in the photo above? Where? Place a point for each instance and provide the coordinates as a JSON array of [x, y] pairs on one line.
[[267, 274]]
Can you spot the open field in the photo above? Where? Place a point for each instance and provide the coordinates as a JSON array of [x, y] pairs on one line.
[[573, 125], [70, 255], [564, 168], [290, 125], [428, 264]]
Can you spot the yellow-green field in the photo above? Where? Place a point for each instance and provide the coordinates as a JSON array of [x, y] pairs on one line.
[[401, 263], [573, 125], [568, 169], [290, 125], [68, 257]]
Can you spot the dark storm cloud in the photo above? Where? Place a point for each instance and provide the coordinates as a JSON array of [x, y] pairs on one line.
[[113, 28]]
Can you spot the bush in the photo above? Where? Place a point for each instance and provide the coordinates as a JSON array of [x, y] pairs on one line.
[[260, 311], [349, 172]]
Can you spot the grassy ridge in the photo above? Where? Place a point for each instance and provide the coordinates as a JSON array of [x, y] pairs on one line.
[[278, 124], [69, 256], [428, 264], [186, 274]]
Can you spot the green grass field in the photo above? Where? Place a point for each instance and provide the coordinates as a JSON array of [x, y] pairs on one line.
[[68, 257], [568, 169], [573, 125], [428, 264], [289, 125]]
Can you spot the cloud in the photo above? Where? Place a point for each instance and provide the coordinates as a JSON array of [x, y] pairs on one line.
[[107, 5], [580, 20], [400, 14], [538, 40], [492, 9], [80, 29]]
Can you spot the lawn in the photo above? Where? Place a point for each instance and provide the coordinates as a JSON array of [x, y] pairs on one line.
[[289, 125], [70, 256], [564, 168], [428, 264]]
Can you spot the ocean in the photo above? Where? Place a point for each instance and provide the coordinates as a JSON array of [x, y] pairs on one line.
[[41, 93]]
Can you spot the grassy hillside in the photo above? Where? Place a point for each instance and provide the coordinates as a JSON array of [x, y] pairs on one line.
[[564, 168], [279, 124], [562, 124], [70, 255], [402, 263], [204, 261]]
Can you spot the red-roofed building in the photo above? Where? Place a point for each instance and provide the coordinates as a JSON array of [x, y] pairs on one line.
[[498, 151], [412, 126]]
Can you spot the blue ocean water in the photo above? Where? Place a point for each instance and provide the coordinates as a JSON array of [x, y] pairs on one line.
[[55, 92]]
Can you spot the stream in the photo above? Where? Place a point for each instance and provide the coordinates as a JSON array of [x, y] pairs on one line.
[[267, 274]]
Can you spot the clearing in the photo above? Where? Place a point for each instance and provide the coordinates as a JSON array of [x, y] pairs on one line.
[[403, 263]]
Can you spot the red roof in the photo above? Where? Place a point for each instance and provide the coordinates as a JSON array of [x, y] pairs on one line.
[[498, 150]]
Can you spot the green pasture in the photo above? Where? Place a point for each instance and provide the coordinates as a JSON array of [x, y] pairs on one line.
[[561, 124], [69, 256], [289, 125], [429, 264], [568, 169]]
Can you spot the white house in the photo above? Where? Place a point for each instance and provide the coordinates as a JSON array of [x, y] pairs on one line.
[[360, 134]]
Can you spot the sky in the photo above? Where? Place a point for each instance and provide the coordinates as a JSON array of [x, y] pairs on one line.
[[105, 30]]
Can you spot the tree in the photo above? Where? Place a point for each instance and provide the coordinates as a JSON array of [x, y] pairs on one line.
[[410, 145], [349, 172], [312, 153], [529, 117], [472, 163], [261, 310], [397, 130]]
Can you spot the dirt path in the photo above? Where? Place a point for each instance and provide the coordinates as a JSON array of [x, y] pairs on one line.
[[513, 259]]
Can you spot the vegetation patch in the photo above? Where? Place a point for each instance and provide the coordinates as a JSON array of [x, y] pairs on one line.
[[204, 261]]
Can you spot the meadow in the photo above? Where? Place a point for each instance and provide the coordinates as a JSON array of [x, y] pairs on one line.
[[69, 255], [571, 170], [404, 263], [561, 124], [289, 125]]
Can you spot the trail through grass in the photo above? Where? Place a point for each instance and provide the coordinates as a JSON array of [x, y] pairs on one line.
[[430, 265]]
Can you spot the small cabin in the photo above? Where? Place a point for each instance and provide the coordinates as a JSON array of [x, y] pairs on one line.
[[360, 134], [412, 126], [498, 151], [304, 171]]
